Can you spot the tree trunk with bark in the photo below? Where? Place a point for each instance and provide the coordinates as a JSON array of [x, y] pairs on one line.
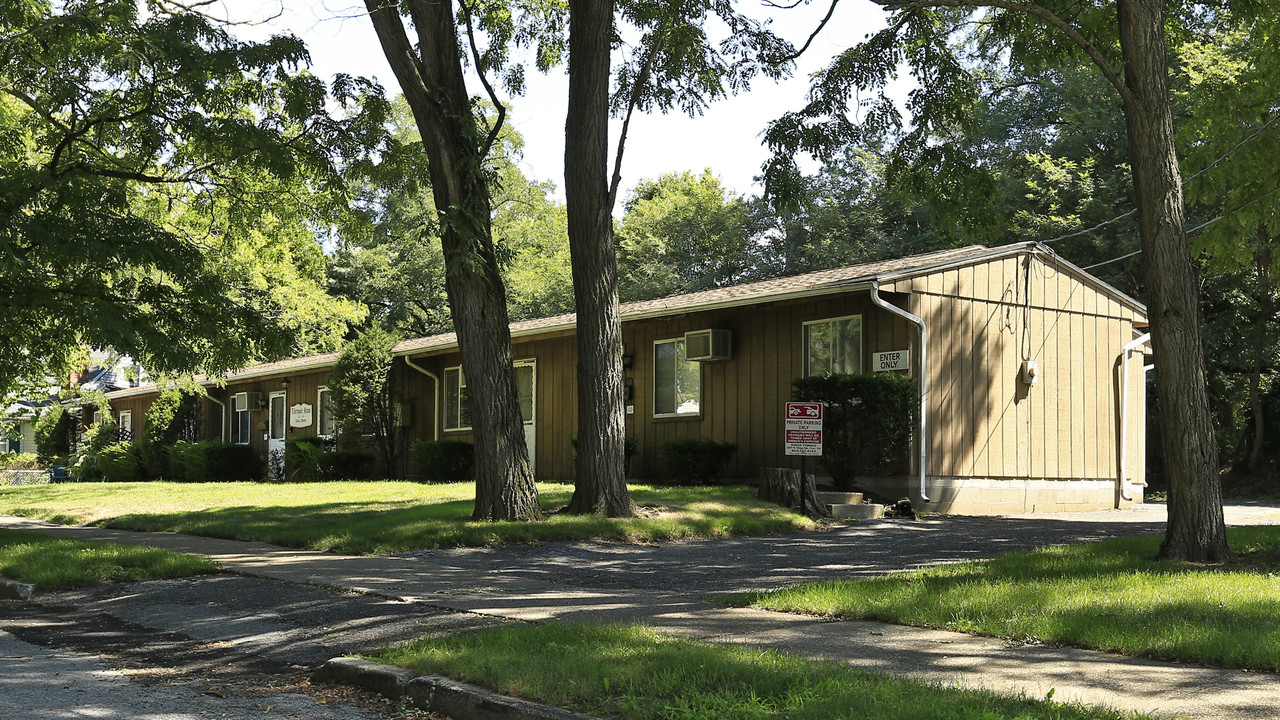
[[600, 484], [1196, 530], [432, 79], [783, 486]]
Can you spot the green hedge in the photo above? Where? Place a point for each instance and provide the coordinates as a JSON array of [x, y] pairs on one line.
[[868, 423], [444, 460], [347, 465], [227, 462], [153, 458], [19, 461], [213, 461], [691, 461], [187, 462], [310, 458], [55, 434], [119, 463]]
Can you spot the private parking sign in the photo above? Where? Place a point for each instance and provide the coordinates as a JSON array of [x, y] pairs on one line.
[[803, 428]]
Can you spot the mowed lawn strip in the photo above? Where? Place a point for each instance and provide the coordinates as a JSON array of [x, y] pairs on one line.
[[1106, 596], [57, 564], [634, 673], [386, 517]]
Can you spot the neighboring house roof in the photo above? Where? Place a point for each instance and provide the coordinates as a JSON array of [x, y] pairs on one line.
[[102, 378], [25, 409], [822, 282]]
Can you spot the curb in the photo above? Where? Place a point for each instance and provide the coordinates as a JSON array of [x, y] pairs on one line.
[[387, 680], [14, 590], [435, 693]]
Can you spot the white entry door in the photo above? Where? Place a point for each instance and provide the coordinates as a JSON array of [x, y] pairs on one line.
[[277, 420], [526, 389]]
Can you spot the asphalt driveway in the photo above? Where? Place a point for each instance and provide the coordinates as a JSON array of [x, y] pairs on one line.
[[280, 612]]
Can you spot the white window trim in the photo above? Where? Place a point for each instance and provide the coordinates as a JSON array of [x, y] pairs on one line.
[[462, 383], [319, 415], [653, 399], [804, 338], [284, 420], [125, 414], [532, 363]]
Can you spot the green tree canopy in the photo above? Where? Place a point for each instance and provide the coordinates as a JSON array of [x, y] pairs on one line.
[[683, 233], [161, 184], [393, 264], [367, 396]]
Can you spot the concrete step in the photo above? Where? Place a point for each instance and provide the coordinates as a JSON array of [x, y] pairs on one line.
[[856, 511], [842, 498]]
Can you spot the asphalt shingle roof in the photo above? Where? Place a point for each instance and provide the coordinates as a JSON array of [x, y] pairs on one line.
[[746, 294]]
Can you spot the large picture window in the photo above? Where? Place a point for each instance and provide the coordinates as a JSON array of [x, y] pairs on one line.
[[677, 383], [833, 346], [456, 414]]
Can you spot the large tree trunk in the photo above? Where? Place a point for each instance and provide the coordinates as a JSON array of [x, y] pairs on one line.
[[600, 484], [433, 84], [1196, 530]]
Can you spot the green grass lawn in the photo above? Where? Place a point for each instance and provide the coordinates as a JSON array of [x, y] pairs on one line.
[[633, 673], [384, 517], [1106, 596], [57, 564]]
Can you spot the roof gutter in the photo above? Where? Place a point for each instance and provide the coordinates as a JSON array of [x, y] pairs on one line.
[[435, 408], [1124, 410], [223, 425], [922, 438]]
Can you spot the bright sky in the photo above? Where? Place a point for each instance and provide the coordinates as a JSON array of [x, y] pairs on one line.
[[725, 139]]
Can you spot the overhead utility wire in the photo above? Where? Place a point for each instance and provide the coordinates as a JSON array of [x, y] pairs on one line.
[[1200, 172], [1086, 231], [1232, 151], [1108, 262], [1197, 228]]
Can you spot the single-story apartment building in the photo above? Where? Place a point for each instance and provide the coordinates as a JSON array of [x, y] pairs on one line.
[[1031, 373]]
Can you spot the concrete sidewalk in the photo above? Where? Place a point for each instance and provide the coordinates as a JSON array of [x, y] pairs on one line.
[[1164, 689]]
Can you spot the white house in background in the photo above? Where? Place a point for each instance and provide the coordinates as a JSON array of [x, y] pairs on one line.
[[18, 426], [105, 372]]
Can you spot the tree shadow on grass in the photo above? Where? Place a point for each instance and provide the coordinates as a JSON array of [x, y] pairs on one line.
[[412, 525]]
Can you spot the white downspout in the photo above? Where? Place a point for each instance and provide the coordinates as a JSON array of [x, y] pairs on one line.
[[223, 426], [923, 437], [435, 409], [1124, 410]]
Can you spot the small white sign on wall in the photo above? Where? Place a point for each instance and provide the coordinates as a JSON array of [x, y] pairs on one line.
[[892, 360], [300, 415]]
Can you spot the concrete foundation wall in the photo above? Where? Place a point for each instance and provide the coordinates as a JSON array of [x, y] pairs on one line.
[[1000, 496]]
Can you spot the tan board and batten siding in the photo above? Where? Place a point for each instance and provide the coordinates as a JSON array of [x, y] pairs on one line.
[[1049, 446], [994, 444]]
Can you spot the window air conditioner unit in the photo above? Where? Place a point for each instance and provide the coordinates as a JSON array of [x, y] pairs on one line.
[[248, 401], [708, 345]]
